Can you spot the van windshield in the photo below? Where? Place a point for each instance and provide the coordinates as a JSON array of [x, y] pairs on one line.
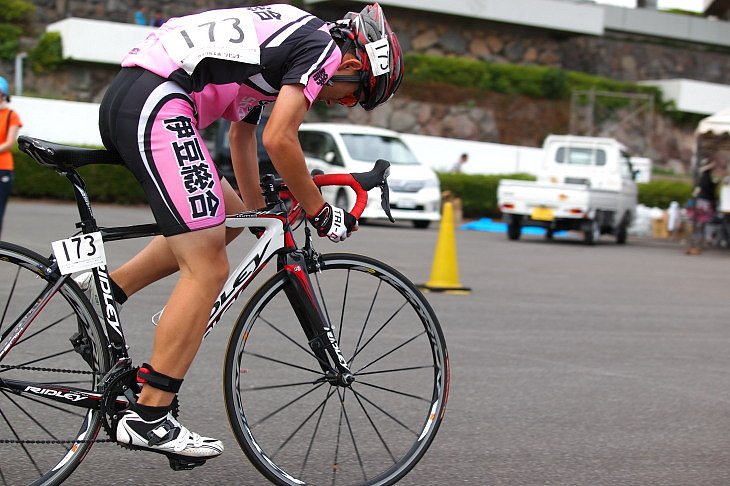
[[369, 148]]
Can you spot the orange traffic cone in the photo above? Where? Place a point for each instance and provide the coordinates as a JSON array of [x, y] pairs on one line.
[[445, 271]]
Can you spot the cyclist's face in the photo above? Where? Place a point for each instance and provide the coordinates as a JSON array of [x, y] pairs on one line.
[[340, 93]]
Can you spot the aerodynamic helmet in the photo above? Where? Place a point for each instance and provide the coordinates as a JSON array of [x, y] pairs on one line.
[[377, 48]]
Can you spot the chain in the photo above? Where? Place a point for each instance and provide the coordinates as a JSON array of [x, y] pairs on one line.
[[51, 370], [79, 441]]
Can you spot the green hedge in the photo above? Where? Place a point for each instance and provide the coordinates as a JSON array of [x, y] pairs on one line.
[[659, 193], [534, 81], [478, 193], [104, 183]]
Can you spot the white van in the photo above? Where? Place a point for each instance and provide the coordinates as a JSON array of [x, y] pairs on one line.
[[415, 193]]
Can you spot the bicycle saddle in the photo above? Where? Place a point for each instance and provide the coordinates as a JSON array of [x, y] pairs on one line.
[[65, 157]]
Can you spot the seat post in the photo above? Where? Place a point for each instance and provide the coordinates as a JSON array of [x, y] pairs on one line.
[[83, 204]]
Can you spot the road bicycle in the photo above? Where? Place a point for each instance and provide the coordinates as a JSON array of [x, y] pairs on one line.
[[336, 370]]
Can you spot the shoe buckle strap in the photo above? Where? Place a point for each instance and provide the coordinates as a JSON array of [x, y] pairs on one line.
[[159, 435]]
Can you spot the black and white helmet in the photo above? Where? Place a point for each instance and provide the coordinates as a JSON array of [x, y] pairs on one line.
[[377, 48]]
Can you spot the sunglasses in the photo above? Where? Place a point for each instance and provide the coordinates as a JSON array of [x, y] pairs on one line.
[[351, 99]]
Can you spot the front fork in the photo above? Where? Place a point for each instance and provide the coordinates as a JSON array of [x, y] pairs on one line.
[[313, 319]]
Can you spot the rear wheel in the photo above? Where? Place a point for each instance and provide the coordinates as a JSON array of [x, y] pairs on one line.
[[514, 228], [296, 425], [421, 224], [591, 232], [44, 433], [622, 230]]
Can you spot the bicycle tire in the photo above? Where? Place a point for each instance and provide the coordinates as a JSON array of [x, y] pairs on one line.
[[43, 441], [296, 429]]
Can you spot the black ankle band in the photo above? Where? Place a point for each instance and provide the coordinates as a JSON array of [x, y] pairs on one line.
[[146, 374]]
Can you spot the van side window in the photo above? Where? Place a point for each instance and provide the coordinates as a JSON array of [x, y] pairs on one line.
[[320, 145]]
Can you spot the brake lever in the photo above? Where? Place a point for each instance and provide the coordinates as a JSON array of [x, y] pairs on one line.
[[385, 197]]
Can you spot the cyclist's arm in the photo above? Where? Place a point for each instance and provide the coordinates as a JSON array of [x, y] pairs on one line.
[[244, 157], [282, 144]]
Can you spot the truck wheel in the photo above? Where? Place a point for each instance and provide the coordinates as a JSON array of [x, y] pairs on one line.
[[622, 230], [514, 229], [418, 223], [591, 232]]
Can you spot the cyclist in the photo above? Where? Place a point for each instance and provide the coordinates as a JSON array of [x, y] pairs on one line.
[[193, 70]]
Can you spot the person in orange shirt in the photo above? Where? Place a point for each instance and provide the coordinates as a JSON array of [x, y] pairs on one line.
[[9, 126]]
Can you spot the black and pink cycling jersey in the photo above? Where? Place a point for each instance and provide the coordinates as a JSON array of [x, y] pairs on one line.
[[232, 60], [192, 71]]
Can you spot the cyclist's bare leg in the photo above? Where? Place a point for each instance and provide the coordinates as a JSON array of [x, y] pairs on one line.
[[156, 260], [203, 263]]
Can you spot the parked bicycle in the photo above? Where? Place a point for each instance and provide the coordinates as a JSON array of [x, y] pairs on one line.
[[336, 370]]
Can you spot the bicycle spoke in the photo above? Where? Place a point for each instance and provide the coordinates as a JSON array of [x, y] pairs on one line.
[[384, 355], [282, 362], [52, 324], [285, 406], [365, 323], [330, 392], [22, 445], [299, 427], [33, 419], [288, 338], [47, 357], [387, 414], [375, 427], [380, 329], [352, 436], [48, 404], [395, 370], [10, 296]]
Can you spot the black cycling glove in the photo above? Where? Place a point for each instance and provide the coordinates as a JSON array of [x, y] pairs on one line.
[[333, 222]]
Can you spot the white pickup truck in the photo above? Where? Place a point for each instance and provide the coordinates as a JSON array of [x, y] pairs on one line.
[[585, 184]]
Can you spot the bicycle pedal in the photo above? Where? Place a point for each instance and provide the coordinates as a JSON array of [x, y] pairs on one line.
[[181, 463]]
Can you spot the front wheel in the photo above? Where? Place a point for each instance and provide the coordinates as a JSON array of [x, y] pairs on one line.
[[299, 427], [46, 426]]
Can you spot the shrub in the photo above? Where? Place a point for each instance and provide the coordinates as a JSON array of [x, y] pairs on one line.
[[105, 183], [478, 193], [15, 19], [47, 55], [534, 81], [9, 41], [660, 193], [16, 11]]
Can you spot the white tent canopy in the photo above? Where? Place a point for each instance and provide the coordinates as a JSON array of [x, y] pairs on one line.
[[717, 124]]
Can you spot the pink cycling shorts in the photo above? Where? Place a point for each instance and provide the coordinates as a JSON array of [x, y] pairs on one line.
[[152, 124]]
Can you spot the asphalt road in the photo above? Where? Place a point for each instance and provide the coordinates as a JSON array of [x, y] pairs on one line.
[[571, 365]]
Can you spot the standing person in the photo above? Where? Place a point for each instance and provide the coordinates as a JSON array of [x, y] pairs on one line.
[[191, 71], [463, 159], [140, 15], [703, 210], [157, 19], [9, 126]]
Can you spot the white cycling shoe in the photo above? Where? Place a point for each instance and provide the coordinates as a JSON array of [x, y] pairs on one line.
[[85, 281], [166, 435]]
